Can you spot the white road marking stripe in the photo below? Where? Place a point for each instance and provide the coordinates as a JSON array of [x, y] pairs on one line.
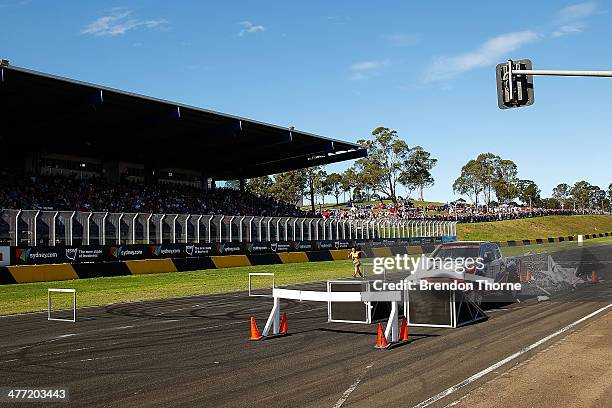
[[495, 366], [352, 388]]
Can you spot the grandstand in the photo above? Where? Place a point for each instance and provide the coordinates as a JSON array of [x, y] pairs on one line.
[[53, 124]]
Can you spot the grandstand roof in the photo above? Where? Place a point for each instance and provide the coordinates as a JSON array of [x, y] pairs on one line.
[[49, 114]]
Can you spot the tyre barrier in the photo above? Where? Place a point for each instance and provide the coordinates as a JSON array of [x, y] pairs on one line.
[[540, 241]]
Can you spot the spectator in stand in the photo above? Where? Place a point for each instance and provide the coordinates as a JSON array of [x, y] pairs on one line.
[[65, 193]]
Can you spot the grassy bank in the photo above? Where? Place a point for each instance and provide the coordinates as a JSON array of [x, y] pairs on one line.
[[532, 228]]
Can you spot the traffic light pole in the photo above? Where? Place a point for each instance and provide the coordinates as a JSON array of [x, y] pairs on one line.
[[553, 72], [515, 83]]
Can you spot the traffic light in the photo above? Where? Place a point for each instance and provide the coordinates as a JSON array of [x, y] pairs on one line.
[[514, 90]]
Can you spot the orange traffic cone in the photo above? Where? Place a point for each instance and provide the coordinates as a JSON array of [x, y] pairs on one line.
[[283, 325], [593, 277], [381, 340], [255, 333], [403, 334]]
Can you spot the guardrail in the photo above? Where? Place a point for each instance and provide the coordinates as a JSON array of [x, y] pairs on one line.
[[38, 227]]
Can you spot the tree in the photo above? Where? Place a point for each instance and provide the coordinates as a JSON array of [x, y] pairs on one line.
[[349, 181], [580, 193], [488, 163], [334, 182], [322, 188], [260, 185], [561, 193], [314, 177], [386, 160], [609, 197], [551, 203], [596, 197], [469, 182], [505, 180], [529, 193], [289, 187], [417, 170]]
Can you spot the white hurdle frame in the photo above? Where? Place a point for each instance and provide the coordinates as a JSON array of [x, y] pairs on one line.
[[391, 331], [74, 303], [260, 274]]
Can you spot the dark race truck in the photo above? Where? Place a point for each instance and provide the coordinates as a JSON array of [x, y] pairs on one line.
[[492, 263]]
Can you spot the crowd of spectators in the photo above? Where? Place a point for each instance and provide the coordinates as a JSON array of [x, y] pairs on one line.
[[65, 193], [463, 214]]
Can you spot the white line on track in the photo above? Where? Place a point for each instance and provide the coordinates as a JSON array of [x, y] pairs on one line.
[[495, 366], [352, 388]]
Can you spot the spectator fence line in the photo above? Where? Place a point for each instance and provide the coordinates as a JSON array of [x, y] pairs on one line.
[[41, 227]]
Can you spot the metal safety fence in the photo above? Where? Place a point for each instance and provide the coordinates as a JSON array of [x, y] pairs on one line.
[[49, 228]]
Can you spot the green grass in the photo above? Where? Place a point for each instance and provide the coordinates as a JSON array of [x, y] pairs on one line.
[[532, 228], [32, 297]]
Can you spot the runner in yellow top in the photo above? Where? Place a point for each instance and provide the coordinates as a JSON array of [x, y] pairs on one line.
[[355, 256]]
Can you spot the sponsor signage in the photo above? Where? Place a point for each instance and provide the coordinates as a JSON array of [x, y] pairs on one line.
[[38, 255], [129, 252], [199, 250], [304, 246], [231, 248]]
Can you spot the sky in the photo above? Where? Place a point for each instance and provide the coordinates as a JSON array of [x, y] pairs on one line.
[[342, 68]]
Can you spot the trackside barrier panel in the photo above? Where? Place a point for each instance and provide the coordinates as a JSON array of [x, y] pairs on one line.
[[273, 323], [49, 304]]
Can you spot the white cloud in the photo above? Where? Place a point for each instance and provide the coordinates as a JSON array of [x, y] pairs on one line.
[[570, 20], [370, 65], [118, 22], [366, 69], [249, 28], [574, 28], [401, 40], [575, 12], [492, 51]]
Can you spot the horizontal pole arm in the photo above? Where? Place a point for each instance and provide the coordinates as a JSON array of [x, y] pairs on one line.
[[553, 72]]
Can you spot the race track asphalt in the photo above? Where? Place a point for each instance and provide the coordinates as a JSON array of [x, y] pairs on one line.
[[194, 352]]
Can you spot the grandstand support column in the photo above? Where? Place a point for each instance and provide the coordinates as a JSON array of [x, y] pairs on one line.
[[197, 229], [231, 222], [324, 228], [30, 217], [286, 232], [49, 217], [220, 228], [259, 229], [204, 182], [240, 233], [110, 171], [132, 229], [13, 222], [302, 229], [150, 174], [251, 228], [83, 218], [294, 224]]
